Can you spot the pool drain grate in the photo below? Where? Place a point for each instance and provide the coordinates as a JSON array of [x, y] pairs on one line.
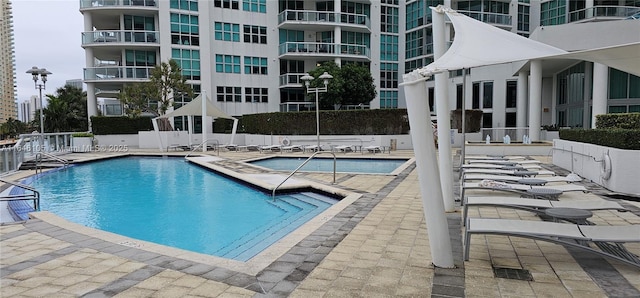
[[510, 273]]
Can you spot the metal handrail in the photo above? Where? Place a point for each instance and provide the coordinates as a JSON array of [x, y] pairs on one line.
[[216, 148], [39, 159], [35, 198], [273, 194]]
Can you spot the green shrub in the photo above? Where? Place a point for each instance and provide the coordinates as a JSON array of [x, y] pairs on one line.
[[82, 135], [120, 125], [616, 138], [621, 120]]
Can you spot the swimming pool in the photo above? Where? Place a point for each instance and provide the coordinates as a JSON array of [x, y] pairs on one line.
[[322, 164], [172, 202]]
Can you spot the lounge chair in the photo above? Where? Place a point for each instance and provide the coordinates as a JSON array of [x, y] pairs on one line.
[[537, 206], [293, 148], [313, 148], [528, 167], [504, 172], [374, 149], [344, 148], [518, 188], [502, 162], [509, 157], [271, 148], [608, 239], [512, 178], [231, 147]]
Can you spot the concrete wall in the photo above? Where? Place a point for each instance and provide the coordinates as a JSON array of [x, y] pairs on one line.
[[588, 160]]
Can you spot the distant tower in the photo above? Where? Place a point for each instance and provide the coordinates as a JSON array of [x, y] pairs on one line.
[[25, 111], [75, 83], [8, 108]]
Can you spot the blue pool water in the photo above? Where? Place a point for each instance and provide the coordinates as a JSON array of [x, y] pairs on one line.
[[343, 165], [172, 202]]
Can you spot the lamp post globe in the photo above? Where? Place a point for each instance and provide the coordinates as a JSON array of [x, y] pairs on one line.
[[317, 90], [42, 75]]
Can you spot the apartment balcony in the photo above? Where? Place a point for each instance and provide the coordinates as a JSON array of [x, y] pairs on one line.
[[109, 4], [496, 19], [314, 20], [126, 38], [116, 74], [602, 13], [323, 50], [291, 80]]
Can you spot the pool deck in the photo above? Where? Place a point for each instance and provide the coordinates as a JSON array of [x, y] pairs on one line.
[[374, 244]]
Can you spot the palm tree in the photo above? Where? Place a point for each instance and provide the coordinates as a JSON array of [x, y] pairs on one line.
[[66, 111], [12, 128]]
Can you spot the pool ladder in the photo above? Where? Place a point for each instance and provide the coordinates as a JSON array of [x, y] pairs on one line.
[[273, 194], [41, 156], [35, 196]]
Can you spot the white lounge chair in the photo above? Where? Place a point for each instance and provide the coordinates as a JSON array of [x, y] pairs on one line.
[[502, 161], [374, 149], [510, 178], [608, 239], [313, 148], [498, 166], [504, 172], [344, 148], [537, 206], [271, 148], [517, 188], [293, 148]]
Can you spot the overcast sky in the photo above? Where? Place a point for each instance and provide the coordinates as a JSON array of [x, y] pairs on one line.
[[47, 35]]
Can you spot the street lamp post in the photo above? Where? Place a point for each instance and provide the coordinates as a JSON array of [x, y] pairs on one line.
[[41, 74], [307, 79]]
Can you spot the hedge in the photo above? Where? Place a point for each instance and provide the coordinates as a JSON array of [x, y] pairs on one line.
[[618, 120], [101, 125], [616, 138]]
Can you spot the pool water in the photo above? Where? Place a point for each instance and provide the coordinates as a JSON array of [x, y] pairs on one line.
[[343, 165], [172, 202]]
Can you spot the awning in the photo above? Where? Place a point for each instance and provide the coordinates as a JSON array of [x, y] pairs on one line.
[[194, 108]]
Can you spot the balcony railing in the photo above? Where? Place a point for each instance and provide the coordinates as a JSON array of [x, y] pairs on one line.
[[117, 73], [321, 48], [291, 79], [603, 11], [489, 17], [111, 3], [324, 16], [101, 37]]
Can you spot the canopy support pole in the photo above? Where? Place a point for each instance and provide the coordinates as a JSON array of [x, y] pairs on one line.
[[427, 168], [204, 121]]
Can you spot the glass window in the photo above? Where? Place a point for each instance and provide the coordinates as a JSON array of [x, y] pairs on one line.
[[189, 61], [227, 63], [228, 94], [512, 94], [255, 34], [388, 99], [256, 94], [388, 75], [184, 29], [255, 65], [388, 47], [226, 31], [230, 4], [255, 5]]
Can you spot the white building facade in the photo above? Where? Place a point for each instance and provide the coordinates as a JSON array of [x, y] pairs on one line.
[[249, 55]]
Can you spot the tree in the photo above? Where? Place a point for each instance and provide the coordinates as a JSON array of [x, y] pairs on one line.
[[352, 84], [12, 128], [156, 95], [66, 110]]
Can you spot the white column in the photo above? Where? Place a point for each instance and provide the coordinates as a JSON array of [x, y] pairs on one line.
[[337, 33], [586, 95], [92, 101], [204, 120], [442, 112], [600, 79], [426, 166], [535, 100], [521, 102]]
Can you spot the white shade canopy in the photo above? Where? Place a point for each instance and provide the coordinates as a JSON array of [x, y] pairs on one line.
[[194, 108], [480, 44]]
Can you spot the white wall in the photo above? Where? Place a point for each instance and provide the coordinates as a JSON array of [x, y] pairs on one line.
[[588, 161]]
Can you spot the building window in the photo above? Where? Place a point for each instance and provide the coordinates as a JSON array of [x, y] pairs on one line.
[[623, 85], [388, 99], [459, 95], [184, 29], [256, 94], [388, 75], [512, 94], [388, 47], [255, 65], [227, 31], [255, 34], [571, 85], [233, 4], [191, 5], [553, 12], [415, 15], [227, 63], [255, 5], [510, 119], [389, 19], [523, 18], [228, 94], [482, 90], [487, 120], [414, 45], [432, 99], [189, 61]]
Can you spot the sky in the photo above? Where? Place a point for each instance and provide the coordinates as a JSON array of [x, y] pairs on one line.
[[47, 34]]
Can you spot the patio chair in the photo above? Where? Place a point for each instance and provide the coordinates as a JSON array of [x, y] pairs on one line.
[[499, 171], [231, 147], [271, 148], [344, 148], [511, 178], [373, 149], [537, 206], [529, 167], [502, 162], [293, 148], [609, 240], [517, 188], [313, 148]]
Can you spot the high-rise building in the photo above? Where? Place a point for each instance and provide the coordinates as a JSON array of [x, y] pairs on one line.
[[249, 55], [8, 107], [75, 83]]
